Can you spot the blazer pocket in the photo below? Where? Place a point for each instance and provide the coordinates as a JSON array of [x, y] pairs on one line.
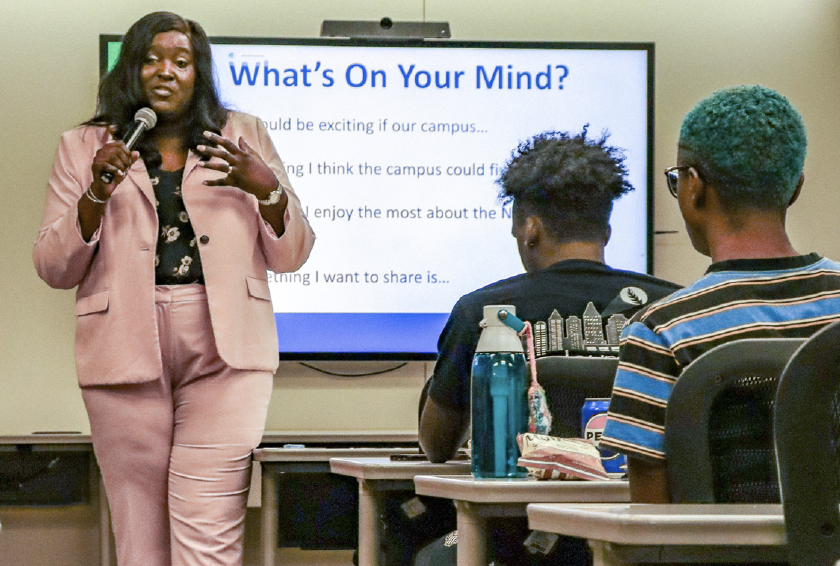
[[97, 302], [258, 288]]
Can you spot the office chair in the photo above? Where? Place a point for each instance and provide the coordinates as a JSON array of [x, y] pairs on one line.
[[718, 433], [807, 438], [568, 381]]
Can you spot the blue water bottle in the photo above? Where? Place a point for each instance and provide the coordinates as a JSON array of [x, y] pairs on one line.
[[499, 398]]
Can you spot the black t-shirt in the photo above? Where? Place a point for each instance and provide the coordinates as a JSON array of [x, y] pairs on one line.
[[567, 286]]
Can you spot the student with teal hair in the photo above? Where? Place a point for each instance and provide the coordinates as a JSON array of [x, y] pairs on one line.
[[739, 167], [750, 143]]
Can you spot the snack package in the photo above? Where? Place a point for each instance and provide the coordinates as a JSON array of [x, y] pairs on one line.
[[550, 457]]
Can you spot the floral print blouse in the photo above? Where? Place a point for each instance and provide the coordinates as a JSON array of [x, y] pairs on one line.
[[177, 260]]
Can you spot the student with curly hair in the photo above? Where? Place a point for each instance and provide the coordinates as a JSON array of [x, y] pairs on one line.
[[739, 167], [561, 187]]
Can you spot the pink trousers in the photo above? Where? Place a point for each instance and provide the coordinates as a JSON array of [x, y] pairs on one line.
[[175, 453]]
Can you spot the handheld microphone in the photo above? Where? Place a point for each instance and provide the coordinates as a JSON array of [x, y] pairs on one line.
[[144, 119]]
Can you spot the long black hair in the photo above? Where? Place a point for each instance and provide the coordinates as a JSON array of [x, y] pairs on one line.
[[121, 92]]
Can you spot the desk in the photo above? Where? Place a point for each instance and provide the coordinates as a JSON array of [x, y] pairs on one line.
[[337, 439], [624, 534], [478, 500], [276, 461], [377, 476], [58, 442]]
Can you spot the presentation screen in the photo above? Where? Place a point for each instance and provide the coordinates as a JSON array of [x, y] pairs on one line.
[[395, 149]]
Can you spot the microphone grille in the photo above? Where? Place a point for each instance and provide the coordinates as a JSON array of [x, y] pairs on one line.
[[147, 116]]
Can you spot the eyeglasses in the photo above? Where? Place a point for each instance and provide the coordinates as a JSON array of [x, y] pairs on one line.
[[672, 176]]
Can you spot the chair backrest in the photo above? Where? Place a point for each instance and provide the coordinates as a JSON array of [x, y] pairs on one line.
[[568, 381], [718, 423], [807, 437]]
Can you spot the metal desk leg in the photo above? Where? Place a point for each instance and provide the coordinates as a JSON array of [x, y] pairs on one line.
[[472, 535], [104, 525], [602, 556], [268, 508], [369, 533]]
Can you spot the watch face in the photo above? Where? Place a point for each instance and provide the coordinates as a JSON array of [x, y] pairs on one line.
[[273, 197]]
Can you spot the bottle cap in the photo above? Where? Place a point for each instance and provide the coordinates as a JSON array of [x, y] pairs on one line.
[[496, 336]]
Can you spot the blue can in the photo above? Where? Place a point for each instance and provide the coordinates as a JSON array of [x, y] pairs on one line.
[[593, 417]]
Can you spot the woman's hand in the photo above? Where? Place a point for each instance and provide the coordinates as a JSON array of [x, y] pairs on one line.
[[243, 166], [115, 158]]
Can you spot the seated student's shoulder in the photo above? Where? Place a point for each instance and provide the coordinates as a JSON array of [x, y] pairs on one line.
[[666, 287], [826, 264], [641, 288], [500, 285], [665, 304], [499, 292]]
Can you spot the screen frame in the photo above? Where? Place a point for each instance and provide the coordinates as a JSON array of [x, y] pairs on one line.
[[105, 40]]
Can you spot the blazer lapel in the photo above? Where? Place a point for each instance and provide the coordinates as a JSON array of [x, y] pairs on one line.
[[191, 165], [138, 175]]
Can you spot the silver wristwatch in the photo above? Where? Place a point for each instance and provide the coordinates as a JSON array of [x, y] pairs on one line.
[[273, 197]]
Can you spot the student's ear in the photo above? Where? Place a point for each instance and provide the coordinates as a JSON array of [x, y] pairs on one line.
[[798, 189], [532, 231], [693, 194], [697, 189], [608, 235]]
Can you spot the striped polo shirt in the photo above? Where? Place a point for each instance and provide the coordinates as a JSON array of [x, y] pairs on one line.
[[790, 297]]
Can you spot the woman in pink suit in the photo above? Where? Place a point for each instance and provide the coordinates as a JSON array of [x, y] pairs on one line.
[[175, 340]]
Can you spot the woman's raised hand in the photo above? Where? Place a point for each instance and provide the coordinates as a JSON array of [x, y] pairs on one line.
[[115, 158], [243, 166]]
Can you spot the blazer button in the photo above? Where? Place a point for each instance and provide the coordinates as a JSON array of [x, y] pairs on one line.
[[204, 239]]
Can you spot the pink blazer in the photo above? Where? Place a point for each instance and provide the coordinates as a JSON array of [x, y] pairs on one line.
[[116, 330]]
